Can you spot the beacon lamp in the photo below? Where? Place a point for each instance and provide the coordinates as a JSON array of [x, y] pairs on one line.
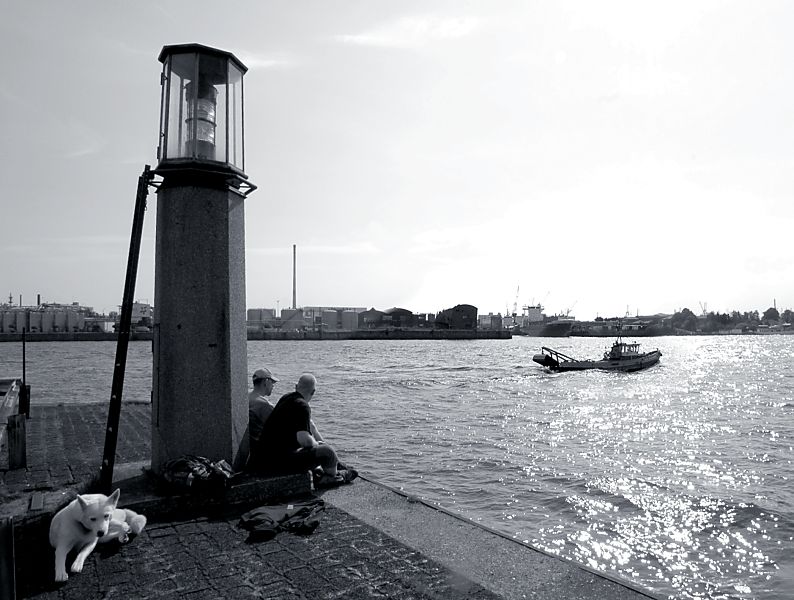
[[201, 112]]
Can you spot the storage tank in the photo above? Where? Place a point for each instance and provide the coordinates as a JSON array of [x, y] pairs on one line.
[[349, 319], [22, 321], [292, 319], [253, 319], [9, 321], [330, 319], [268, 317], [46, 321], [35, 322], [59, 320], [71, 320]]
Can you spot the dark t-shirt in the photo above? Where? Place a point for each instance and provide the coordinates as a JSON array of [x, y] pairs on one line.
[[279, 435]]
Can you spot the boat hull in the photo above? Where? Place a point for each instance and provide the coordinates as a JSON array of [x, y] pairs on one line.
[[546, 329], [634, 363]]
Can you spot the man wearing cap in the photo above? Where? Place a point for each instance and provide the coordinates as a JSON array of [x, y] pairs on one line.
[[259, 408], [288, 442]]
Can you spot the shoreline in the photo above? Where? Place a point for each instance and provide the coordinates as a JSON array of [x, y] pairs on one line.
[[368, 334], [373, 334]]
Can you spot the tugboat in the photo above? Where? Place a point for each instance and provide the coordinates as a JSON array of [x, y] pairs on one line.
[[623, 356]]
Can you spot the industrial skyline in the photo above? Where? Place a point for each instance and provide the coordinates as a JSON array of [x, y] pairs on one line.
[[516, 309], [422, 154]]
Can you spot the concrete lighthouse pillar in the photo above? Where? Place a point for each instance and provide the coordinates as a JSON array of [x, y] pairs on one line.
[[199, 387], [200, 355]]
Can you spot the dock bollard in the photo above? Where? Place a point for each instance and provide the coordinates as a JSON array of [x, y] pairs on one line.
[[17, 442], [8, 584], [24, 400]]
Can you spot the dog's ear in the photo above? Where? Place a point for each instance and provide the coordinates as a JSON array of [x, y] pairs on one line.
[[83, 504], [114, 498]]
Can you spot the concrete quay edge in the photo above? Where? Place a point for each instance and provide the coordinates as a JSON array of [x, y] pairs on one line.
[[512, 569], [503, 565]]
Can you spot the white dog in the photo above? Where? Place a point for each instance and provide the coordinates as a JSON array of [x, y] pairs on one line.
[[83, 522]]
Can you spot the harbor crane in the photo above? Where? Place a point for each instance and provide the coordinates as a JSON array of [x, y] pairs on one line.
[[515, 304]]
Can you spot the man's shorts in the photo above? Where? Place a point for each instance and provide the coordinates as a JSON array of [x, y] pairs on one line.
[[299, 461]]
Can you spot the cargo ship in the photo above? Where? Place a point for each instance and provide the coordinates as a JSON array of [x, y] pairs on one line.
[[532, 322]]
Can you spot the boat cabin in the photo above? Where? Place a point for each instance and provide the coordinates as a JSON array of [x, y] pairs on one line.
[[622, 350]]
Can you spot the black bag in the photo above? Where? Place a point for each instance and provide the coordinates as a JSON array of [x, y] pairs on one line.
[[265, 522], [197, 473]]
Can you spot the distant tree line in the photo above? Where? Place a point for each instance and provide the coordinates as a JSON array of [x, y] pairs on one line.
[[686, 319]]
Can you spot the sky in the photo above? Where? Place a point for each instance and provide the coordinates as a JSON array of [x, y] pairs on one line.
[[600, 158]]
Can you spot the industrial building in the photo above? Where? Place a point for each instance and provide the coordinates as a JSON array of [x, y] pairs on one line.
[[67, 318], [331, 318]]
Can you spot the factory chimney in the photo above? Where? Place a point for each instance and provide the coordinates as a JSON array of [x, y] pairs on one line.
[[294, 301]]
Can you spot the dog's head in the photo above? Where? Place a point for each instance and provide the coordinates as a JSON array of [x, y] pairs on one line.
[[96, 511]]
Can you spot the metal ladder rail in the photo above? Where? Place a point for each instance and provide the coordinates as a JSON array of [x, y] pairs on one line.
[[120, 364]]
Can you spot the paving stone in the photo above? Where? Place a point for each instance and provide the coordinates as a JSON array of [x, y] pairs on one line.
[[206, 594], [239, 593], [187, 528]]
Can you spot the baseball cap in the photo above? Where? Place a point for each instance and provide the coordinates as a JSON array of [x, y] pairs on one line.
[[263, 374]]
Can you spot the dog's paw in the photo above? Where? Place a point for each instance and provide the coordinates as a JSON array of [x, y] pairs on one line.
[[77, 566], [137, 523], [61, 576]]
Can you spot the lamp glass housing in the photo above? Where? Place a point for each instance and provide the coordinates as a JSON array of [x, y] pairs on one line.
[[201, 110]]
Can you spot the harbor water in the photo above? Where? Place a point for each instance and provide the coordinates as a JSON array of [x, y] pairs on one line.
[[677, 479]]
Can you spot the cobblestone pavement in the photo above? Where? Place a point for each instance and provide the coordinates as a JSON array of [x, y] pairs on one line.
[[211, 559], [65, 443]]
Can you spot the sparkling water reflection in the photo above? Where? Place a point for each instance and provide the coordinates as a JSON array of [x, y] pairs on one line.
[[677, 478]]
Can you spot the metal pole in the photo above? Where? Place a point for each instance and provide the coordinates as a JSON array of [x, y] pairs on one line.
[[24, 392], [114, 410], [294, 260]]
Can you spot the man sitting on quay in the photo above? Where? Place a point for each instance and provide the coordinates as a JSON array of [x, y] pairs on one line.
[[259, 408], [287, 443]]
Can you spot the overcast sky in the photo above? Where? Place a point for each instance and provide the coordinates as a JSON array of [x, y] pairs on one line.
[[591, 156]]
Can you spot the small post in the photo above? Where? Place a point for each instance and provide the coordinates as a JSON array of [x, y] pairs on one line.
[[8, 586], [17, 442], [24, 392]]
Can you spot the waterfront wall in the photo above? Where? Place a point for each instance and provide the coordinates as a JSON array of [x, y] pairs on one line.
[[276, 334], [72, 336]]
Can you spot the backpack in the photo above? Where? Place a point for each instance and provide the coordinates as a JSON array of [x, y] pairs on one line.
[[197, 473]]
